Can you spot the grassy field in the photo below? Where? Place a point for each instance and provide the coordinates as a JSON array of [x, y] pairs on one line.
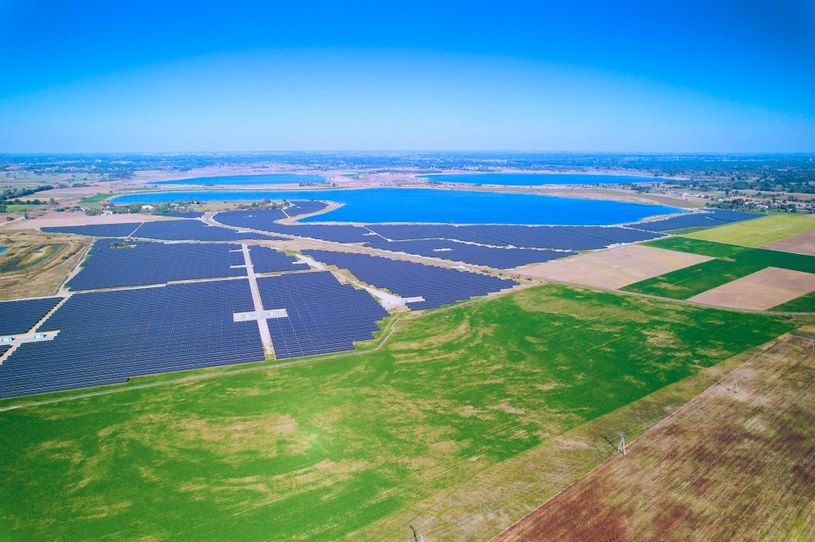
[[96, 198], [733, 465], [337, 448], [758, 232], [732, 262], [804, 303]]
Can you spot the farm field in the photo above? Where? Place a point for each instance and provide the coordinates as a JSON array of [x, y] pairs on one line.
[[360, 438], [732, 262], [736, 464], [755, 233], [803, 243], [802, 304]]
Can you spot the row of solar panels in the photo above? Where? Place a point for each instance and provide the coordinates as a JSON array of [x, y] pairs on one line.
[[115, 263], [714, 217]]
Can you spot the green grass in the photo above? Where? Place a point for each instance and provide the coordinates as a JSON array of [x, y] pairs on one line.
[[804, 303], [325, 450], [760, 231], [732, 262], [96, 198]]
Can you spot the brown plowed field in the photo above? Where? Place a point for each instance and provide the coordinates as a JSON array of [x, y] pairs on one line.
[[738, 463], [760, 291], [803, 243]]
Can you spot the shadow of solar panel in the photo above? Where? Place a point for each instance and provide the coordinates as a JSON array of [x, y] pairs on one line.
[[108, 337], [143, 262], [20, 316], [269, 260], [324, 316], [192, 230], [96, 230], [438, 286], [499, 258]]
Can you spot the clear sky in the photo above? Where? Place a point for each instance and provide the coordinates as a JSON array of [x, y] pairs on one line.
[[576, 75]]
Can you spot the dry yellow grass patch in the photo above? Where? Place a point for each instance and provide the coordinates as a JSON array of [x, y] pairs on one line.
[[761, 290], [613, 268]]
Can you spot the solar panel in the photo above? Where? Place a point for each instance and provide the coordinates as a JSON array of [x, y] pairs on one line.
[[404, 232], [711, 218], [181, 214], [323, 315], [192, 230], [113, 264], [269, 260], [107, 337], [20, 316], [499, 258], [437, 286], [264, 220], [96, 230]]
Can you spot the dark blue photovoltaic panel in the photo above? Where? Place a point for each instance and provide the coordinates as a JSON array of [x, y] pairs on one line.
[[192, 230], [269, 260], [499, 258], [323, 315], [181, 214], [97, 230], [144, 262], [709, 219], [405, 232], [613, 235], [20, 316], [438, 286], [298, 208], [264, 220], [107, 337], [562, 237]]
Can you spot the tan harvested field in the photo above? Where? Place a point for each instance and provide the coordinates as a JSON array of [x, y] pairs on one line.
[[803, 243], [761, 290], [77, 219], [613, 268], [734, 464]]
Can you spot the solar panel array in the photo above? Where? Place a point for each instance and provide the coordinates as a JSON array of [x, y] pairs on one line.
[[181, 214], [323, 315], [96, 230], [264, 220], [715, 217], [155, 263], [562, 237], [20, 316], [298, 208], [192, 230], [106, 337], [269, 260], [499, 258], [405, 232], [438, 286]]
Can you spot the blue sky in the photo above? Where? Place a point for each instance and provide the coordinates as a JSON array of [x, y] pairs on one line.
[[650, 76]]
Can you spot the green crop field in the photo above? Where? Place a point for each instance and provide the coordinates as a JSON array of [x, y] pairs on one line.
[[758, 232], [732, 262], [804, 303], [323, 451]]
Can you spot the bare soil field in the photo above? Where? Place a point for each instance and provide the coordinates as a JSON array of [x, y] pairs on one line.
[[37, 264], [761, 290], [77, 219], [803, 243], [734, 464], [614, 268]]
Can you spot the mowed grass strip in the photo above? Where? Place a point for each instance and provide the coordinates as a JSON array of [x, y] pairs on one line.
[[732, 262], [759, 231], [321, 451], [730, 466]]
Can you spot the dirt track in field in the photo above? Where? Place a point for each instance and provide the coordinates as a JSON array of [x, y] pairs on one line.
[[761, 290], [735, 464], [613, 268]]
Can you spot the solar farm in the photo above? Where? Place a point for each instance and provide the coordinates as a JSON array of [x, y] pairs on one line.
[[271, 379]]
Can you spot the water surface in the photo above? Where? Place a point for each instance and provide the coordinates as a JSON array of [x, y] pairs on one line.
[[389, 205]]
